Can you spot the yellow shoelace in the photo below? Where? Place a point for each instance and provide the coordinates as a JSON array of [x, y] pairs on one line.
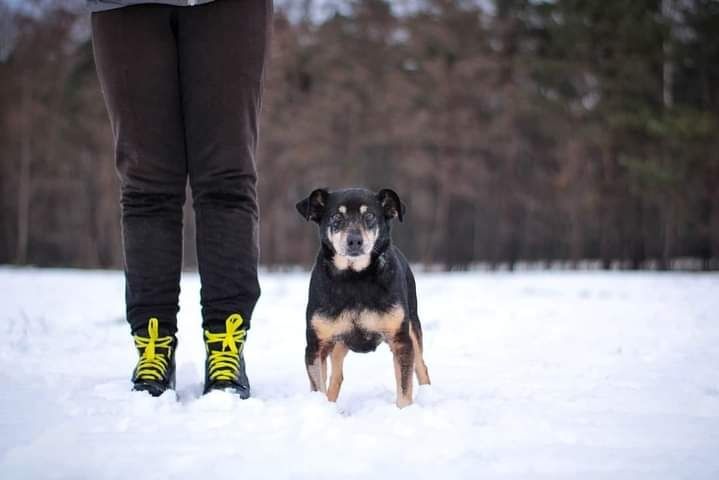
[[225, 363], [152, 365]]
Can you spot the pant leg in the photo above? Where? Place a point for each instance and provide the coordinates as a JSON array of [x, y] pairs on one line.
[[222, 57], [136, 57]]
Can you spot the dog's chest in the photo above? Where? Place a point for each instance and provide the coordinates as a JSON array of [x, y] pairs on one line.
[[356, 325]]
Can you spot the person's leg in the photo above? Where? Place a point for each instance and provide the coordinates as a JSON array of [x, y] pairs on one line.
[[222, 48], [137, 64]]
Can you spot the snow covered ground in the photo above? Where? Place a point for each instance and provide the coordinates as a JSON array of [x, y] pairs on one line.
[[535, 375]]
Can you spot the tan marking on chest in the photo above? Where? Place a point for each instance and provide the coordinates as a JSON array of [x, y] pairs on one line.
[[327, 328], [382, 322], [386, 323]]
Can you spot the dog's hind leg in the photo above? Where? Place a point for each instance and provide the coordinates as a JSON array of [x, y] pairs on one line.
[[403, 352], [420, 368], [415, 332], [339, 352]]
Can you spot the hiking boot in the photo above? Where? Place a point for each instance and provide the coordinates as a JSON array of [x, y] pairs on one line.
[[155, 370], [225, 363]]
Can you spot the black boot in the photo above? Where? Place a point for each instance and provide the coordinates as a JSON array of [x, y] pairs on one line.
[[225, 363], [155, 370]]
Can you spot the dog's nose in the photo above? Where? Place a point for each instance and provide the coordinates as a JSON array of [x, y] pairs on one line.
[[354, 241]]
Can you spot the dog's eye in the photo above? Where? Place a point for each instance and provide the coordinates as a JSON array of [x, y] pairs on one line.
[[369, 217], [336, 220]]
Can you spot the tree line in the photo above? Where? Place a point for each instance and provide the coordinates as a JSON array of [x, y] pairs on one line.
[[560, 131]]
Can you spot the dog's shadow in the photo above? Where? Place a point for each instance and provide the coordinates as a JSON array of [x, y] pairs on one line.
[[383, 399], [351, 402], [365, 401]]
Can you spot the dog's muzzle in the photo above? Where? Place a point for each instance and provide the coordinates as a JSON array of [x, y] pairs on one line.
[[354, 244]]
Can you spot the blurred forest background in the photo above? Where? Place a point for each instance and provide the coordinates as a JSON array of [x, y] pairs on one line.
[[567, 132]]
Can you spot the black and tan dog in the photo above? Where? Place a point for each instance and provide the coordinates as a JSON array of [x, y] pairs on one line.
[[362, 290]]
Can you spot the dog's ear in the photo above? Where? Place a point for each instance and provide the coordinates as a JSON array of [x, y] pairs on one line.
[[391, 204], [312, 207]]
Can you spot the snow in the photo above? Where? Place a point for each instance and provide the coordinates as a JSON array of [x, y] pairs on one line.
[[535, 375]]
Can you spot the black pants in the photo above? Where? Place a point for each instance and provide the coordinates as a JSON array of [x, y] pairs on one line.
[[183, 90]]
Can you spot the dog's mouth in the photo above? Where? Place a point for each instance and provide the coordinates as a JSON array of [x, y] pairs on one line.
[[354, 253], [356, 260]]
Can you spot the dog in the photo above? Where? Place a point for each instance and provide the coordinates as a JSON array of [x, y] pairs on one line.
[[362, 291]]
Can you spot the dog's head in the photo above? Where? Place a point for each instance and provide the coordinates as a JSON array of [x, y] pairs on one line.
[[354, 223]]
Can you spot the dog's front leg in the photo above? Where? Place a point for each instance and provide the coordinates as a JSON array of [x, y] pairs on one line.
[[339, 352], [316, 363], [401, 346]]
